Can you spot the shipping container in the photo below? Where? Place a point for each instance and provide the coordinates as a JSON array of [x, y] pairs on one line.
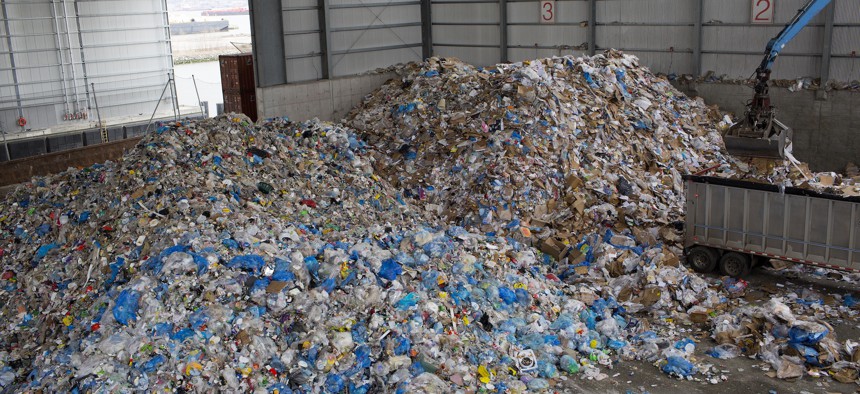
[[237, 72], [237, 84], [243, 102]]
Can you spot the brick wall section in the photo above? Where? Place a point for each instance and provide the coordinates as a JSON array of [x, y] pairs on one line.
[[21, 170]]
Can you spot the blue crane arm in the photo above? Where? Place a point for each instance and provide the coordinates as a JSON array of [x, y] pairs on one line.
[[775, 45]]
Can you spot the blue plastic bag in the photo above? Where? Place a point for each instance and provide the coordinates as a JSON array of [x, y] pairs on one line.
[[562, 322], [43, 251], [408, 301], [125, 310], [248, 262], [329, 284], [809, 354], [183, 334], [313, 266], [153, 363], [849, 301], [616, 344], [334, 383], [804, 337], [507, 295], [390, 269], [679, 366], [403, 346]]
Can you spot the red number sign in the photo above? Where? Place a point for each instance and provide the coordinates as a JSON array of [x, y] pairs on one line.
[[762, 11], [547, 11]]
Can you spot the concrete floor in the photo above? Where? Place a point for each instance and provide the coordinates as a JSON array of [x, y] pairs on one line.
[[744, 374]]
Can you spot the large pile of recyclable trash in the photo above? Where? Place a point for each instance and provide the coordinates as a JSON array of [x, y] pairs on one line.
[[292, 258], [565, 146]]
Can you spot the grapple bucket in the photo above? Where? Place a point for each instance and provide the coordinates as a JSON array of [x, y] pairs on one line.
[[741, 140]]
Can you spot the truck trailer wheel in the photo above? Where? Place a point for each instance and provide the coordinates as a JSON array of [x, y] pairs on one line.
[[735, 264], [702, 259]]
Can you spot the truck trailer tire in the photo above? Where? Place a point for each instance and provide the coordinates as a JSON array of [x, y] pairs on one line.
[[735, 264], [702, 259]]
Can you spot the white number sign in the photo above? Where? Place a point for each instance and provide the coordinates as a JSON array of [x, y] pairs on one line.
[[762, 11], [547, 11]]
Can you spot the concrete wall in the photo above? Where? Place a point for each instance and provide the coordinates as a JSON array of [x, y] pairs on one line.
[[328, 99], [826, 131]]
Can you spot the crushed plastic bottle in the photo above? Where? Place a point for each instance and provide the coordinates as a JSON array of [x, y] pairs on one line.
[[725, 351]]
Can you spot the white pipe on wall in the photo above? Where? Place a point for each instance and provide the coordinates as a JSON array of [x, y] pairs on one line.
[[61, 59], [72, 58]]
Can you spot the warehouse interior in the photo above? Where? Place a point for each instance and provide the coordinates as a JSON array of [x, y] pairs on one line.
[[368, 196]]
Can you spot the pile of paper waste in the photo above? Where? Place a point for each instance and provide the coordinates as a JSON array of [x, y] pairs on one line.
[[562, 147], [494, 230]]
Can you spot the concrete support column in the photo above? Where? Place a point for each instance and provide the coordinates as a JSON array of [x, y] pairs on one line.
[[503, 30], [592, 27], [826, 50], [325, 37], [697, 49], [426, 29], [267, 35]]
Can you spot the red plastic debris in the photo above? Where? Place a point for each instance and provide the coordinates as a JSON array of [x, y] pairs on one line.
[[310, 203]]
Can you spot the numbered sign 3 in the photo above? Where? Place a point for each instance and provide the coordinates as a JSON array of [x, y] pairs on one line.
[[547, 11], [762, 11]]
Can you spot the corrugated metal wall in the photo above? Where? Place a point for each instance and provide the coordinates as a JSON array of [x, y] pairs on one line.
[[732, 46], [467, 30], [845, 64], [360, 36], [53, 52], [660, 32], [670, 36]]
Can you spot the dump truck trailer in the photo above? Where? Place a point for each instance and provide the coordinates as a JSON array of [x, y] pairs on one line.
[[734, 225]]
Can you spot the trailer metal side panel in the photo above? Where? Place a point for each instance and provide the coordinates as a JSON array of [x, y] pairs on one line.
[[791, 224]]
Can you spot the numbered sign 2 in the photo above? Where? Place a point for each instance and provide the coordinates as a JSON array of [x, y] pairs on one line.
[[547, 11], [762, 11]]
